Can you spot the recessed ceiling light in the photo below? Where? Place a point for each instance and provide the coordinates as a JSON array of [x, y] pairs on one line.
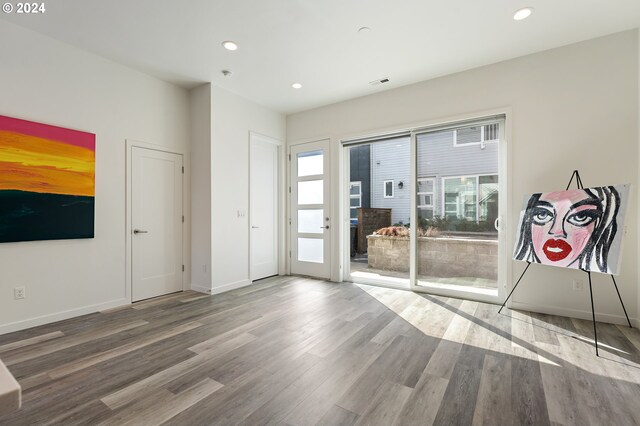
[[296, 86], [523, 13], [229, 45], [364, 30]]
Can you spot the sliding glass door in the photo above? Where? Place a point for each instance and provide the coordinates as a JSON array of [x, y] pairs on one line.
[[425, 209], [458, 208], [380, 210]]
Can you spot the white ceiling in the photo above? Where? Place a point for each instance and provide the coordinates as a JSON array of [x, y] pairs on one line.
[[316, 43]]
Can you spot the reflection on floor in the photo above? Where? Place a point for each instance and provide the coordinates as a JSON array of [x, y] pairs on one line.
[[301, 351], [360, 269], [360, 265]]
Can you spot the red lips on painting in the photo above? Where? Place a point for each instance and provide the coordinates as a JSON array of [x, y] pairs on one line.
[[556, 250]]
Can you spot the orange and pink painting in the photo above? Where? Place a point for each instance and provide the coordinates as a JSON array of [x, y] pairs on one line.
[[47, 182]]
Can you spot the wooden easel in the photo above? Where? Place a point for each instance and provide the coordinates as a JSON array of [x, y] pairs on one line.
[[593, 314]]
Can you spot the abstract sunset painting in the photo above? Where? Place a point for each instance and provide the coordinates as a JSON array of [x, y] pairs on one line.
[[47, 182], [579, 228]]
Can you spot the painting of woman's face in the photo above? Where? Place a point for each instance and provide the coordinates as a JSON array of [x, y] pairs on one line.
[[576, 228], [562, 224]]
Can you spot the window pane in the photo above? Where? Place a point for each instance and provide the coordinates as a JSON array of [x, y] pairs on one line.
[[488, 179], [488, 199], [460, 197], [491, 132], [380, 166], [388, 189], [310, 192], [425, 185], [450, 206], [310, 163], [425, 200], [310, 250], [457, 244], [355, 202], [355, 188], [310, 221], [468, 135]]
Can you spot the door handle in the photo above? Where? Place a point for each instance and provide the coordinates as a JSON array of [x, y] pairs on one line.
[[254, 227], [324, 227], [139, 231], [496, 224]]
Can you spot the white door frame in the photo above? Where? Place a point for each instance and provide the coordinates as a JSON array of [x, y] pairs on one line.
[[330, 158], [280, 205], [130, 144], [505, 274]]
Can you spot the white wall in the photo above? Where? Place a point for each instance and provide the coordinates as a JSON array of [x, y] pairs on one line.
[[233, 117], [50, 82], [200, 103], [574, 107]]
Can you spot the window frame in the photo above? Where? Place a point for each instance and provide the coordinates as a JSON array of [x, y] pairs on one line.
[[357, 196], [444, 194], [482, 139], [432, 193], [393, 188], [477, 192]]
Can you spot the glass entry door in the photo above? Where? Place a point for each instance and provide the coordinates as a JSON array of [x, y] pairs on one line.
[[310, 209]]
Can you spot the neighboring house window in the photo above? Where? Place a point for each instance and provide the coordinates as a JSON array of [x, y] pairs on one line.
[[470, 197], [488, 197], [355, 198], [426, 190], [388, 188], [475, 135]]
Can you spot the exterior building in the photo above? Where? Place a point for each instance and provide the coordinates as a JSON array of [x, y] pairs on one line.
[[360, 188], [457, 175]]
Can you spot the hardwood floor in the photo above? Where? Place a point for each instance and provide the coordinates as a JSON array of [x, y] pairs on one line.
[[300, 351]]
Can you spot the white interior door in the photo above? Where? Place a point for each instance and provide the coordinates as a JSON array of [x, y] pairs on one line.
[[263, 207], [310, 207], [156, 209]]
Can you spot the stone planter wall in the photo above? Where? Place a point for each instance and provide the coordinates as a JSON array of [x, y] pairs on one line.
[[437, 257]]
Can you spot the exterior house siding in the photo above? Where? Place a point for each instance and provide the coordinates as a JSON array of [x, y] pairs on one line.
[[390, 161], [438, 157]]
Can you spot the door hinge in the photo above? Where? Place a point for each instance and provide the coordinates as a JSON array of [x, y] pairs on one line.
[[182, 268], [289, 253], [289, 190], [182, 169], [182, 219], [289, 157]]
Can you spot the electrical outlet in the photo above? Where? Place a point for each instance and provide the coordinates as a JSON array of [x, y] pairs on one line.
[[578, 285], [19, 293]]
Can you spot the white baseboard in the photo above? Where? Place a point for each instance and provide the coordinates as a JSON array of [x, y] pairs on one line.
[[59, 316], [200, 289], [574, 313], [230, 286]]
